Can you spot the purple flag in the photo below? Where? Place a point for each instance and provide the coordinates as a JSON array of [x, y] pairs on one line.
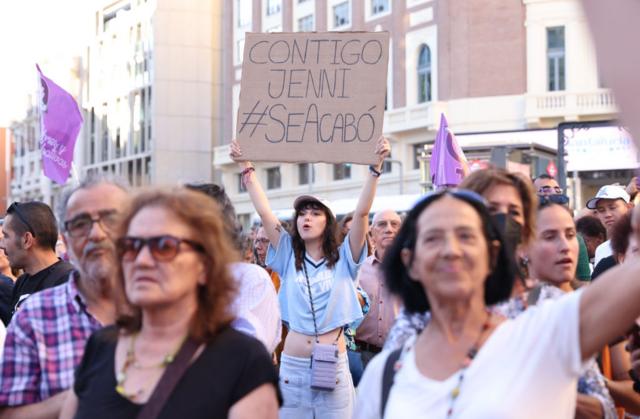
[[448, 164], [60, 122]]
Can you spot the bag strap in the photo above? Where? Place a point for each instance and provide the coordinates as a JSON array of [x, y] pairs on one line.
[[387, 378], [168, 381], [313, 310]]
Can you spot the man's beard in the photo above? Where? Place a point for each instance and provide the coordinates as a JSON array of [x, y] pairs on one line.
[[99, 276]]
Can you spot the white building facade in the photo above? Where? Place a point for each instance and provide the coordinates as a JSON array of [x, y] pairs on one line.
[[489, 65], [152, 91]]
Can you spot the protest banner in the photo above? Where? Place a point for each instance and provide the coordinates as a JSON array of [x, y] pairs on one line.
[[60, 123], [312, 97]]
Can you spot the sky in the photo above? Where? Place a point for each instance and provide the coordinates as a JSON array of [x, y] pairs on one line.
[[36, 31]]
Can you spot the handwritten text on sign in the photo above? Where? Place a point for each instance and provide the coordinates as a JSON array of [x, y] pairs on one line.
[[312, 96]]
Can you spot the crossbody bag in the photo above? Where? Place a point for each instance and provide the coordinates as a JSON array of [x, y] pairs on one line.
[[324, 357]]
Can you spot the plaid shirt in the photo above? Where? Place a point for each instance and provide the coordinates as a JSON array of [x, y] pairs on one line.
[[45, 342]]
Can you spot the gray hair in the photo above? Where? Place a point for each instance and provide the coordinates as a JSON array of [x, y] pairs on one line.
[[87, 182]]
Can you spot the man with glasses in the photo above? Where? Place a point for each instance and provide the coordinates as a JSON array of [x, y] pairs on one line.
[[546, 185], [30, 236], [373, 331], [46, 338]]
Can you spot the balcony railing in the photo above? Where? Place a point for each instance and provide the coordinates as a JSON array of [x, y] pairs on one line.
[[570, 105], [424, 115]]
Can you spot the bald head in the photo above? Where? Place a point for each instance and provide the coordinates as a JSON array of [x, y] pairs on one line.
[[384, 229]]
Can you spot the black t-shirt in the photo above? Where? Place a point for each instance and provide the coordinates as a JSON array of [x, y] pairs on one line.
[[51, 276], [228, 369], [602, 266], [6, 291]]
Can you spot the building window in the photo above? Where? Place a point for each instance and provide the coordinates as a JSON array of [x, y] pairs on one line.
[[244, 11], [273, 7], [417, 152], [424, 74], [341, 171], [240, 50], [303, 173], [274, 181], [556, 58], [305, 24], [387, 165], [379, 6], [241, 186], [341, 14]]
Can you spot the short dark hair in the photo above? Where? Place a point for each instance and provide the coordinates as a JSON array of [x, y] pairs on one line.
[[89, 181], [499, 282], [620, 232], [217, 192], [590, 226], [544, 176], [37, 218]]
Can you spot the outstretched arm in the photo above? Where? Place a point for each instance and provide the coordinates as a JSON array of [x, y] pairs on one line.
[[258, 197], [360, 223]]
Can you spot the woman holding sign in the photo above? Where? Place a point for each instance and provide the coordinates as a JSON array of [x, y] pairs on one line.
[[317, 296]]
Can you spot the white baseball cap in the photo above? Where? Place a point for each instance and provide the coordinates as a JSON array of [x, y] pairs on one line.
[[306, 199], [609, 192]]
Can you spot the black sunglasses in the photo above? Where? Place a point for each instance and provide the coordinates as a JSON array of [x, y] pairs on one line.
[[456, 193], [15, 209], [544, 200], [162, 248]]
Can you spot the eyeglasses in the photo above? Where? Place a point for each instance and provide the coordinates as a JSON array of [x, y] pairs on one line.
[[544, 200], [262, 240], [81, 225], [162, 248], [14, 209], [544, 190]]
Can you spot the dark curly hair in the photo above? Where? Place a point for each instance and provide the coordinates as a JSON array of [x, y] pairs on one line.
[[499, 282], [329, 236]]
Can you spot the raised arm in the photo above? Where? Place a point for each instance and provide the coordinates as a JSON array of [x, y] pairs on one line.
[[360, 222], [258, 197], [609, 306]]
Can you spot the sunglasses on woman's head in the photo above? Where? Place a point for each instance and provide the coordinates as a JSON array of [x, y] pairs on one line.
[[458, 193], [162, 248], [544, 200]]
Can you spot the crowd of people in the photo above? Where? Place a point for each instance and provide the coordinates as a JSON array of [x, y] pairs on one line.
[[492, 299]]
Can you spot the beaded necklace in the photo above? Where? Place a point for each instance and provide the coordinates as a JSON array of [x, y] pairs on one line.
[[471, 354], [131, 361]]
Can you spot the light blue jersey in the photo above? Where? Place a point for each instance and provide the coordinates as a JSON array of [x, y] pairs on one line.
[[334, 289]]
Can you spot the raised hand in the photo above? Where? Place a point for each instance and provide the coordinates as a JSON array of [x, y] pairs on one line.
[[235, 152], [383, 149]]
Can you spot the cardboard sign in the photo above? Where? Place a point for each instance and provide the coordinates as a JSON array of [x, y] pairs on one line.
[[615, 33], [312, 97]]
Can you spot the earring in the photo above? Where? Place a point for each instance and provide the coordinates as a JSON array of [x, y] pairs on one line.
[[524, 261]]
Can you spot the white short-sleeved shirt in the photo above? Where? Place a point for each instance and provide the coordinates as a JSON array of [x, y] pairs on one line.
[[334, 293], [256, 305], [528, 368]]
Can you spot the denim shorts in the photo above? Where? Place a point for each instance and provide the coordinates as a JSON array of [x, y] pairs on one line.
[[301, 402]]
